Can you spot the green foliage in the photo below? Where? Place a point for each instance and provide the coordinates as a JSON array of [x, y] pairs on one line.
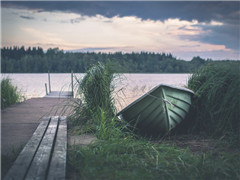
[[217, 101], [17, 53], [129, 158], [108, 128], [97, 89], [9, 93], [34, 60], [118, 154], [97, 112]]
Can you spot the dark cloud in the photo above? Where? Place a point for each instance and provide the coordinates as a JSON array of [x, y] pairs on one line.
[[201, 11], [228, 35], [27, 17], [227, 12]]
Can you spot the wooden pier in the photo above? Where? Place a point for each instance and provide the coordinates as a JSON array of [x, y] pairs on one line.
[[60, 94], [19, 121]]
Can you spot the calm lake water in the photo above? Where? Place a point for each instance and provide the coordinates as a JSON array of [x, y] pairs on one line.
[[128, 86]]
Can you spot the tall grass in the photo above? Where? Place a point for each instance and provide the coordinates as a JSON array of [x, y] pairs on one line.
[[108, 128], [217, 101], [119, 154], [9, 93], [96, 110], [97, 88]]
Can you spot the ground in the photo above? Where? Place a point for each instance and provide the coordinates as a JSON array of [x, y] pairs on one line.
[[199, 144]]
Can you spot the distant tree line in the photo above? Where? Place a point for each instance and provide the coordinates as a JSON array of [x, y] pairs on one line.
[[18, 52], [35, 60]]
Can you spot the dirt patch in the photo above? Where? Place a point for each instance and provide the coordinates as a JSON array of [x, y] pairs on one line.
[[200, 144], [83, 139], [195, 144]]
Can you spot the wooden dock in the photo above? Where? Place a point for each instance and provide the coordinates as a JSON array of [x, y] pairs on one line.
[[44, 156], [19, 121], [59, 94]]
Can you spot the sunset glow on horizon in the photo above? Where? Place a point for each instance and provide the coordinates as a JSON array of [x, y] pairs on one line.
[[70, 30]]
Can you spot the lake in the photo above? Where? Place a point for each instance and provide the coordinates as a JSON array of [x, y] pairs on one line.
[[128, 87]]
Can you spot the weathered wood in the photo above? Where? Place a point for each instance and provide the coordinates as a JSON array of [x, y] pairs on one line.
[[59, 94], [24, 159], [49, 82], [44, 156], [72, 83], [57, 168], [40, 162], [46, 88]]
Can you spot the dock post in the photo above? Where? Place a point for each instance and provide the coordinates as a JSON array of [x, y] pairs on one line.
[[46, 88], [49, 82], [72, 83]]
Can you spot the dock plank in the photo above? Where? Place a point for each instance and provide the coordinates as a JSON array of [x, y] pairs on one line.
[[60, 94], [24, 159], [57, 168], [40, 162]]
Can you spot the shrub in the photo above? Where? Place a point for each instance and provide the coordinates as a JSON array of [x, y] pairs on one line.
[[217, 101], [9, 93]]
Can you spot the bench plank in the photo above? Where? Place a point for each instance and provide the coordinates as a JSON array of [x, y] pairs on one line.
[[44, 156], [40, 162], [24, 159], [57, 168]]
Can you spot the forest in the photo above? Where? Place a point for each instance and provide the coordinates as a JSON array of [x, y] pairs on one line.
[[35, 60]]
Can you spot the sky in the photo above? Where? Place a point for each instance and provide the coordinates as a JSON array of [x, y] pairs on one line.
[[183, 28]]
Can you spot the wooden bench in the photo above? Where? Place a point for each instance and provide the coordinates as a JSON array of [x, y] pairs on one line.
[[44, 156]]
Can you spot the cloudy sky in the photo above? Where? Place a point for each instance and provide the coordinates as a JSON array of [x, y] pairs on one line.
[[185, 29]]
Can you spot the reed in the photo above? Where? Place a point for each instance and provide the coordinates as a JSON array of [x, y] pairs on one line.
[[96, 112], [97, 88], [10, 94], [217, 101], [108, 128]]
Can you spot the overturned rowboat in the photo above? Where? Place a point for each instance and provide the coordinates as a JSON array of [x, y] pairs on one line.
[[158, 111]]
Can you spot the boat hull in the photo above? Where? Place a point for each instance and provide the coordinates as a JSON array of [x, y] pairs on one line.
[[159, 110]]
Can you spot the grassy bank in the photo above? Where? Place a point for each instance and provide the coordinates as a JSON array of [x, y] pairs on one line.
[[129, 158], [120, 154], [10, 94], [217, 101]]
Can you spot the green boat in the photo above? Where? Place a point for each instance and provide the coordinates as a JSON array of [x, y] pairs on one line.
[[159, 110]]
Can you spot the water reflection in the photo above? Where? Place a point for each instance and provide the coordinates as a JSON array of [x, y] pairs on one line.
[[128, 87]]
